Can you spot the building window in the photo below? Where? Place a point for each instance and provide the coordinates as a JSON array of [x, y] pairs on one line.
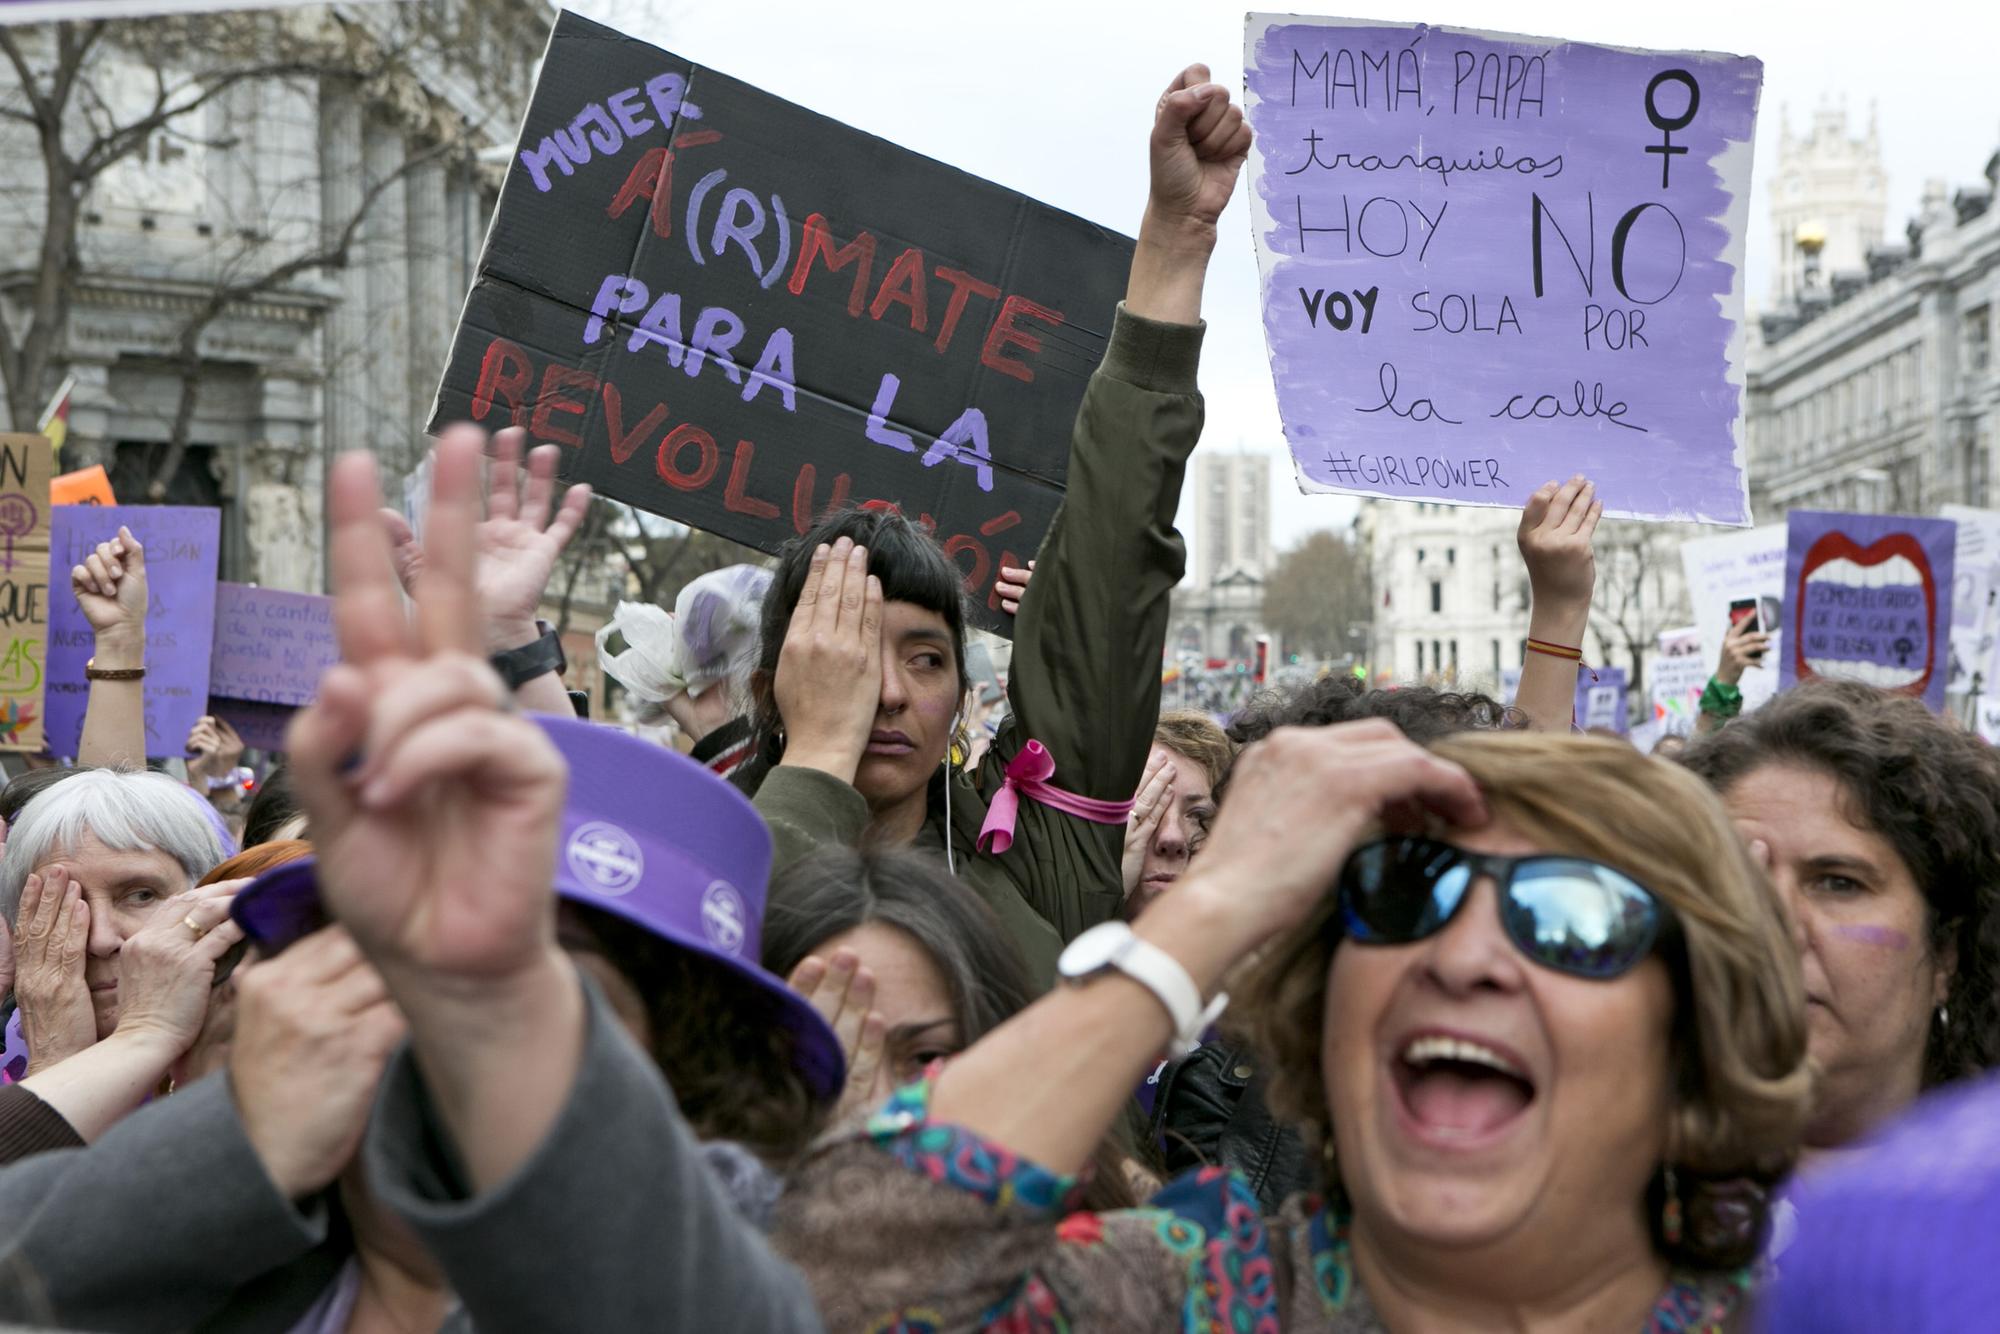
[[1451, 555], [1454, 657], [1978, 340], [1420, 658], [1420, 556], [1437, 657], [1437, 595], [1496, 659]]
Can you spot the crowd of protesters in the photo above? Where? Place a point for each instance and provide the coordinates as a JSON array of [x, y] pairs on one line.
[[1359, 1009]]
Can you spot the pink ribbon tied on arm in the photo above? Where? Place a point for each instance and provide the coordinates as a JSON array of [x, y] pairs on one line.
[[1027, 775]]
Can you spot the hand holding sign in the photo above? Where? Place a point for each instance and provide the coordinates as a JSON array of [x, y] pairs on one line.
[[110, 587]]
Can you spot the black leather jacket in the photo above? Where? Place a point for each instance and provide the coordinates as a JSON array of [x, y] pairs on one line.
[[1210, 1110]]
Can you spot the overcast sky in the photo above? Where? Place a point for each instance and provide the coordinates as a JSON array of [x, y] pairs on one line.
[[1054, 97]]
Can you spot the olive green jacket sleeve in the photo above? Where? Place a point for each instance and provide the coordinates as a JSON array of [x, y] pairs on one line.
[[807, 809], [1085, 679]]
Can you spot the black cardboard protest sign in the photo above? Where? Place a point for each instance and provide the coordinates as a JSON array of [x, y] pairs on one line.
[[738, 313]]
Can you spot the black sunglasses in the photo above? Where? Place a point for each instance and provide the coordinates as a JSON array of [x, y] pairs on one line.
[[1570, 914]]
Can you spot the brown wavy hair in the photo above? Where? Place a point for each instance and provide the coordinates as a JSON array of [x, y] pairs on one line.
[[1739, 1036], [720, 1041], [1928, 789]]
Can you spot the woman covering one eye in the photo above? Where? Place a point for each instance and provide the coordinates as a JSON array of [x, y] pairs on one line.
[[1543, 1026], [1881, 827]]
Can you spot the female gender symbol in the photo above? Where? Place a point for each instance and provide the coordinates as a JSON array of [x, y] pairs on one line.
[[1666, 125], [17, 519]]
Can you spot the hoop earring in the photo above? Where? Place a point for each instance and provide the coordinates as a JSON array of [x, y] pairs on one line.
[[1671, 1222]]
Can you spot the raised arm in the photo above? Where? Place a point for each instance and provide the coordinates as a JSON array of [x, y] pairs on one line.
[[519, 539], [957, 1202], [435, 813], [1085, 679], [110, 587], [1742, 647], [1558, 525]]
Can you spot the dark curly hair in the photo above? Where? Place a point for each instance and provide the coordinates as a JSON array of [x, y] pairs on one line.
[[720, 1041], [1421, 713], [912, 567], [1932, 792]]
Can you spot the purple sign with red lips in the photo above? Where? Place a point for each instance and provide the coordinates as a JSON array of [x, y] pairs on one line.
[[1868, 598], [1489, 261]]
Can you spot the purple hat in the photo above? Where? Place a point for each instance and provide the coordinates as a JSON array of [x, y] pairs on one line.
[[651, 837]]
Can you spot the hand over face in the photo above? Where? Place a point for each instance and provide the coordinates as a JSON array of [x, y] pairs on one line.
[[167, 970], [52, 932], [842, 989], [829, 681], [1278, 842], [434, 811], [314, 1032]]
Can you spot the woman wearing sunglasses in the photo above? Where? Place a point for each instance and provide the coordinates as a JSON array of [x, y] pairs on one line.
[[1527, 991]]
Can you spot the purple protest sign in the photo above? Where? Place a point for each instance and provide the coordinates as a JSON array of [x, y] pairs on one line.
[[1868, 598], [1600, 699], [1489, 261], [181, 544], [260, 726], [270, 646]]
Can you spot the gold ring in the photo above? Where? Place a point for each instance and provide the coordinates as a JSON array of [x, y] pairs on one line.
[[194, 926]]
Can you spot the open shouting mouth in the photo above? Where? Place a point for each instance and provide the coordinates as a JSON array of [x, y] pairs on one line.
[[1866, 613]]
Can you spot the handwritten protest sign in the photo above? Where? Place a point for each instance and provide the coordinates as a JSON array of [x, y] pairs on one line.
[[1675, 679], [1489, 261], [1986, 718], [1868, 598], [1725, 569], [181, 547], [1975, 599], [86, 486], [26, 465], [737, 313], [270, 646], [1600, 699], [261, 726]]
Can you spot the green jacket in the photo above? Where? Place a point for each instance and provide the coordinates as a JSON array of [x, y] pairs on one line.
[[1085, 680]]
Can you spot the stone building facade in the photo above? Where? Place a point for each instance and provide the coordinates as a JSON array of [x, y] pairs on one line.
[[1220, 615], [335, 358]]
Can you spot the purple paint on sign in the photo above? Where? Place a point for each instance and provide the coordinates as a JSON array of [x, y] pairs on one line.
[[1490, 261], [181, 544], [1868, 598], [271, 645]]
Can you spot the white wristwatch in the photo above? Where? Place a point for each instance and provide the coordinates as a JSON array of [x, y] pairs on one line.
[[1113, 946]]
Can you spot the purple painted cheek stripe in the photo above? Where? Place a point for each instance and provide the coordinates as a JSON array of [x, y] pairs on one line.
[[1488, 262], [1885, 936]]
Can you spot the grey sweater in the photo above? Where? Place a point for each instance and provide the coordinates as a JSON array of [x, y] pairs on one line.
[[170, 1223]]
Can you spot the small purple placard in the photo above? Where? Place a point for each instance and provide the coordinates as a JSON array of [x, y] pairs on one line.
[[1489, 261], [1601, 699], [1868, 598], [270, 645], [181, 546]]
